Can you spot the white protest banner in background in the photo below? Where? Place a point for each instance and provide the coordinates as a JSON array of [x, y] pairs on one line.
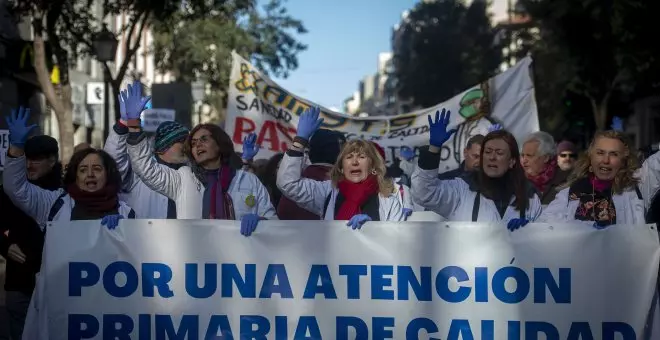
[[152, 118], [257, 104], [4, 145], [188, 279]]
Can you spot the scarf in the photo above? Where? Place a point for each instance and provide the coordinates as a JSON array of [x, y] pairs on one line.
[[355, 195], [541, 180], [595, 198], [221, 206], [97, 202]]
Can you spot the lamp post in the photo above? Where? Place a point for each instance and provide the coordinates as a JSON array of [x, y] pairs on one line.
[[105, 48]]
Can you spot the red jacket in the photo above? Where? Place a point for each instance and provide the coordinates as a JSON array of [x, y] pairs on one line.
[[288, 210]]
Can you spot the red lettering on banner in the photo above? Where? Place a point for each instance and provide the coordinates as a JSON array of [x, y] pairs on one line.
[[240, 128], [268, 133]]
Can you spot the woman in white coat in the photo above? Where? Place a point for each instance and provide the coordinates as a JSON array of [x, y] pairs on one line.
[[499, 191], [211, 187], [607, 185], [91, 184], [357, 191]]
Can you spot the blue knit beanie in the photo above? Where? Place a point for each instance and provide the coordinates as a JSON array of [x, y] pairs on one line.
[[169, 133]]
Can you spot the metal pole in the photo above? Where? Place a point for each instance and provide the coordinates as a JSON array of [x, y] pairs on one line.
[[106, 105]]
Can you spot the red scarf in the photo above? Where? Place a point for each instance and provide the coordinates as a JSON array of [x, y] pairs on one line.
[[100, 201], [541, 180], [355, 195]]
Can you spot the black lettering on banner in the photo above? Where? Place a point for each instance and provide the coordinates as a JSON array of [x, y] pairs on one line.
[[242, 105]]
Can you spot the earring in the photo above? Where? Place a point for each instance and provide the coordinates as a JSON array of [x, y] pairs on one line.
[[373, 172], [341, 171]]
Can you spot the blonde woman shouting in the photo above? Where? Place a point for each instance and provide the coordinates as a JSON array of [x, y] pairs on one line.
[[357, 191]]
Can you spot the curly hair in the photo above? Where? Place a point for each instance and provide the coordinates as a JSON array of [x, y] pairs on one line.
[[624, 178], [112, 172], [385, 185]]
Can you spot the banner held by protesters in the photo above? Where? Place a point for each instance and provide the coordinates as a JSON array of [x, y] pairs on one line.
[[450, 281], [257, 104]]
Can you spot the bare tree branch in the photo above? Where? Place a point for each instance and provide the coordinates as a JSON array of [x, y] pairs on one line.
[[131, 50]]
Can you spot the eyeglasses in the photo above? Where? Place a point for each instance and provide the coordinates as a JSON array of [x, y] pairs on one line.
[[571, 155], [201, 140]]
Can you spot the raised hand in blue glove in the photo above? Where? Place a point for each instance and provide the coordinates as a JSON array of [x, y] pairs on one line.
[[617, 124], [438, 128], [133, 100], [516, 223], [407, 153], [309, 122], [250, 147], [495, 127], [249, 224], [111, 221], [407, 212], [357, 221], [18, 129]]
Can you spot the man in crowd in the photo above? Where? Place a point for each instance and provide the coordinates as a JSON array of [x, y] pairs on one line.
[[566, 155], [21, 239], [471, 156], [324, 148], [539, 160]]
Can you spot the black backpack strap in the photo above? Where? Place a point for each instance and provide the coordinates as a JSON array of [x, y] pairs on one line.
[[325, 205], [55, 208], [638, 192], [475, 206]]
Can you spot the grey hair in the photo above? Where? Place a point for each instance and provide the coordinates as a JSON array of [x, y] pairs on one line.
[[547, 144]]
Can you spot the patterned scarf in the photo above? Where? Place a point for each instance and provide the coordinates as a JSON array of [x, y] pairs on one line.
[[595, 198], [541, 180]]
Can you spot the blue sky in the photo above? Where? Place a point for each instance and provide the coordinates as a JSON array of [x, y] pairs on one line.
[[344, 39]]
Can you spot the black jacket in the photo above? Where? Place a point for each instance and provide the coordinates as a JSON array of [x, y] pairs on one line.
[[18, 228]]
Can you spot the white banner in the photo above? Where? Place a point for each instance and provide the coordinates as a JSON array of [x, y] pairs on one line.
[[185, 279], [257, 104], [4, 145]]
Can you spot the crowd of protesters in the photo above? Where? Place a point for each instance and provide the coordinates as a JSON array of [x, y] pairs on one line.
[[196, 174]]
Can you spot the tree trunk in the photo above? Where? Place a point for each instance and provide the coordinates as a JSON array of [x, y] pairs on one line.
[[600, 111], [61, 105]]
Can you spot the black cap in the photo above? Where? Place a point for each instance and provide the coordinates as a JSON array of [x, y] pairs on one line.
[[41, 146]]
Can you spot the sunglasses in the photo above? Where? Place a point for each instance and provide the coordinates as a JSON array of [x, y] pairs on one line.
[[571, 155]]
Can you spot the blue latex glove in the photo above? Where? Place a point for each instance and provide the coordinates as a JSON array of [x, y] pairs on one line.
[[407, 212], [495, 127], [18, 129], [407, 153], [250, 147], [438, 128], [516, 223], [309, 122], [599, 227], [617, 124], [122, 107], [249, 224], [133, 100], [357, 221], [111, 221]]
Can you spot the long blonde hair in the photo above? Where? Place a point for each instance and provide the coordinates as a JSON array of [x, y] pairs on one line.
[[377, 163], [624, 178]]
